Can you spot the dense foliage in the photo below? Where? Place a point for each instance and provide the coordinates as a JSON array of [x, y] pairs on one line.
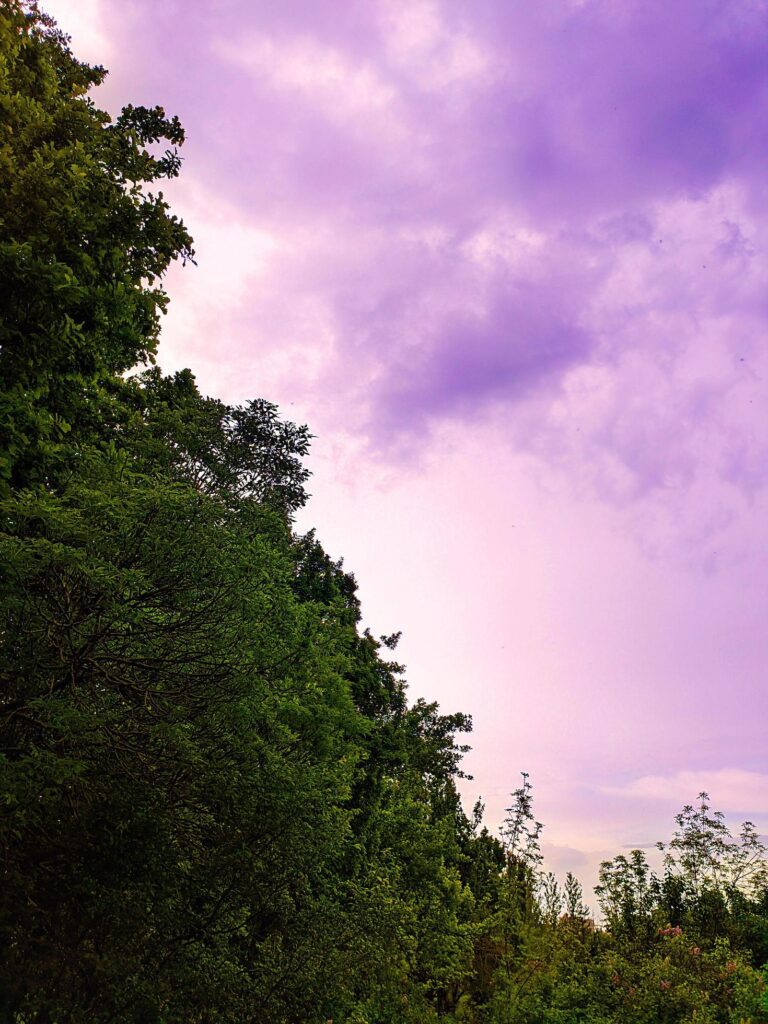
[[216, 802]]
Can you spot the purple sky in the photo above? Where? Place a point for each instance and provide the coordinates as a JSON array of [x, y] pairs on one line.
[[507, 258]]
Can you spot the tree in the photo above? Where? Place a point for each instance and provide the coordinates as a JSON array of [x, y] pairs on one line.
[[174, 724], [84, 246], [628, 894], [706, 857], [235, 452]]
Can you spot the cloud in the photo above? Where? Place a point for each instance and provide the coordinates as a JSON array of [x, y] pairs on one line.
[[338, 86], [550, 216], [87, 23], [568, 211], [561, 858], [730, 789]]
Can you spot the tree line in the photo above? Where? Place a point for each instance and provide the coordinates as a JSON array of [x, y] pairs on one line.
[[217, 802]]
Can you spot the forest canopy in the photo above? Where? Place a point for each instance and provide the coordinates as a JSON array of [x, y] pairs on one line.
[[217, 802]]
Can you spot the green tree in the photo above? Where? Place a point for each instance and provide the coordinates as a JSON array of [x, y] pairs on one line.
[[233, 452], [215, 800], [84, 243], [174, 725]]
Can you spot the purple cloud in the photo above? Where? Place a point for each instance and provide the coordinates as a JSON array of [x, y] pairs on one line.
[[551, 214]]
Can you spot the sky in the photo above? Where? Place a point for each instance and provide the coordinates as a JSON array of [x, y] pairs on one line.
[[507, 259]]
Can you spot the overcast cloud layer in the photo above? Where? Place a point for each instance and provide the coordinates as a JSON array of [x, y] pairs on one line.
[[520, 244], [549, 213]]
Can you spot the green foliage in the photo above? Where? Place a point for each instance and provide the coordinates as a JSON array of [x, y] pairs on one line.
[[175, 725], [233, 452], [583, 977], [542, 960], [216, 801], [83, 245]]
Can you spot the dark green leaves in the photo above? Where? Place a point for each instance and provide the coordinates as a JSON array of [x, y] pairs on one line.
[[82, 245]]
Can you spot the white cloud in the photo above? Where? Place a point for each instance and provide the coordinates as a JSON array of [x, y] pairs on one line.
[[85, 21], [323, 76], [432, 53]]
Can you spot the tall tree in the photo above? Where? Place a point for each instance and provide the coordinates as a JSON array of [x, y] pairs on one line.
[[84, 242]]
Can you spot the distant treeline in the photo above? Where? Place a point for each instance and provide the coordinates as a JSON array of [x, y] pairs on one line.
[[217, 804]]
